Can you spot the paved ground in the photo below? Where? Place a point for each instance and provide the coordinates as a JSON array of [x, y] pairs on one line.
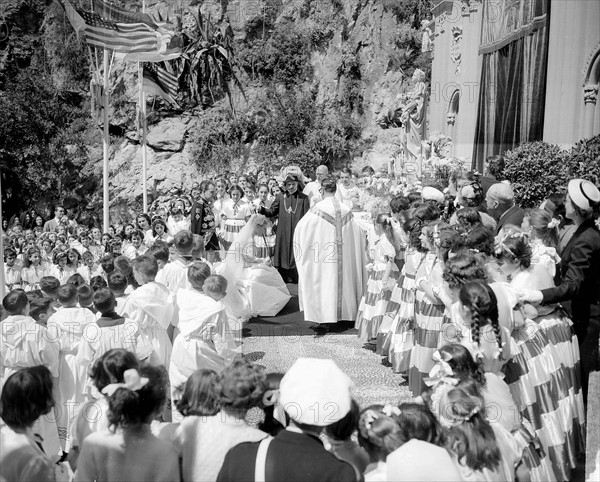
[[277, 342]]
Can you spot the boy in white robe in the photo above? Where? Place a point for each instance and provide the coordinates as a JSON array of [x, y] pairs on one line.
[[117, 283], [25, 343], [111, 330], [202, 321], [151, 306], [68, 325]]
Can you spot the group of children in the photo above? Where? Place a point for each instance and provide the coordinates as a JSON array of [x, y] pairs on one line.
[[458, 281]]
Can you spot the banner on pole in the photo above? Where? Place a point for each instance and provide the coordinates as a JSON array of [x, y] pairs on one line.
[[158, 81]]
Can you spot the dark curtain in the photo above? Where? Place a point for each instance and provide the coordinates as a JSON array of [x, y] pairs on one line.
[[512, 93]]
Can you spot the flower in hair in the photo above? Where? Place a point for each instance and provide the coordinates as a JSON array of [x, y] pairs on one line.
[[131, 380], [554, 223], [390, 410], [370, 417]]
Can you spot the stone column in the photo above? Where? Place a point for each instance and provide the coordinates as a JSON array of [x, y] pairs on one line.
[[590, 97]]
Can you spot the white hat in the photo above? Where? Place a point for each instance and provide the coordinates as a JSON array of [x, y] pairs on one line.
[[583, 193], [421, 461], [432, 194], [315, 392]]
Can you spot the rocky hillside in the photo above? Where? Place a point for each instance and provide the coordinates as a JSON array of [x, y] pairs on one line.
[[319, 79]]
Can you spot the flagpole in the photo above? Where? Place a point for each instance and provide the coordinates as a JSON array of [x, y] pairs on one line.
[[105, 145], [142, 111], [2, 278]]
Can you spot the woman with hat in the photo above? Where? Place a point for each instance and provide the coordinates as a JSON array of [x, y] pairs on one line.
[[577, 275]]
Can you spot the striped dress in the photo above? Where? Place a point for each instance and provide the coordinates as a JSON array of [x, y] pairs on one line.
[[555, 408], [234, 216], [374, 302], [264, 245], [399, 340], [429, 318]]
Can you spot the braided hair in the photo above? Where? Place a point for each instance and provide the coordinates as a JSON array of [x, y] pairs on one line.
[[483, 304]]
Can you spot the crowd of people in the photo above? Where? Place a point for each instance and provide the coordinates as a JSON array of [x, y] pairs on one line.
[[121, 352]]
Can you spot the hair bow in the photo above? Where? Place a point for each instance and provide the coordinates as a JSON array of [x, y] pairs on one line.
[[271, 399], [370, 417], [131, 380], [554, 223], [441, 372], [390, 410]]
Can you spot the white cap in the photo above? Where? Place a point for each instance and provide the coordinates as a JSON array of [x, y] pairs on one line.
[[583, 193], [432, 194], [315, 392]]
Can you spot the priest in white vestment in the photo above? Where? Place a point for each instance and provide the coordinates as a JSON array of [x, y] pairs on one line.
[[329, 248]]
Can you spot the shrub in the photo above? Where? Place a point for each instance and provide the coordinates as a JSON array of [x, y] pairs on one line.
[[584, 160], [536, 170]]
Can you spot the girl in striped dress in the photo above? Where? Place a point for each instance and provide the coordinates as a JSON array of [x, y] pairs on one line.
[[383, 275], [557, 398], [399, 340], [264, 241], [32, 271], [234, 216], [429, 312]]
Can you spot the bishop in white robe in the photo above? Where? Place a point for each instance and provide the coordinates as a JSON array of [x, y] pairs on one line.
[[329, 248]]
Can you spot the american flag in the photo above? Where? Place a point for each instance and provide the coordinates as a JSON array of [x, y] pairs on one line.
[[159, 81], [120, 37]]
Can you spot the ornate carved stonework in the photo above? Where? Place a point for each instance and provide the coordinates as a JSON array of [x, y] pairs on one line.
[[451, 118], [590, 93], [455, 48]]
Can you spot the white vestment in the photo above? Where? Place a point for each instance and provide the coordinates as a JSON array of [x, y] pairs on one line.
[[329, 248]]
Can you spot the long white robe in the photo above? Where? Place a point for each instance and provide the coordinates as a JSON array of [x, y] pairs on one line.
[[329, 248], [152, 307]]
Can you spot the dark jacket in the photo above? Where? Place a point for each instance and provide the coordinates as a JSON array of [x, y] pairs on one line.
[[291, 457], [513, 216], [289, 209], [578, 275], [202, 222]]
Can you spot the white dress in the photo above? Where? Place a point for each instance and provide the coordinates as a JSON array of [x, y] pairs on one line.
[[259, 288], [151, 306]]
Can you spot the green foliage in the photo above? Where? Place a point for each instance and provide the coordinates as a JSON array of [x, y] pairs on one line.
[[409, 11], [525, 165], [217, 139], [206, 67], [408, 55], [349, 95], [584, 160], [68, 56], [43, 137], [283, 58]]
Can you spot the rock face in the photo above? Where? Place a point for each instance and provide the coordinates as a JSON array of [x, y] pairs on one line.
[[168, 134]]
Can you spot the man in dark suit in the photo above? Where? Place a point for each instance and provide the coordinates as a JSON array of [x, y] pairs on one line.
[[500, 200], [577, 279], [315, 393], [203, 220]]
